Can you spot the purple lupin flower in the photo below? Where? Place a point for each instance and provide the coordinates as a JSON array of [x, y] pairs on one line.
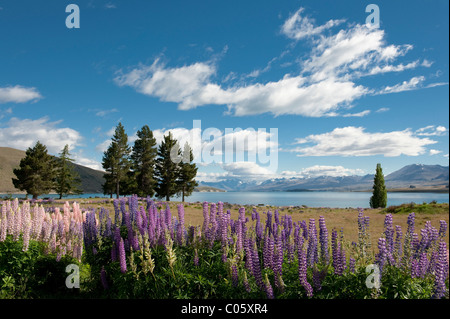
[[256, 267], [398, 243], [180, 228], [336, 253], [381, 257], [312, 255], [351, 265], [304, 227], [323, 236], [122, 256], [248, 255], [441, 272], [302, 268], [205, 219], [423, 265], [389, 233], [268, 288], [196, 258], [103, 278], [246, 283], [269, 222]]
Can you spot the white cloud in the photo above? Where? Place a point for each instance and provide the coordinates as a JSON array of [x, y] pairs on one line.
[[325, 84], [393, 68], [18, 94], [298, 27], [354, 141], [382, 109], [103, 113], [434, 152], [432, 130], [412, 84], [247, 169], [322, 170], [24, 133]]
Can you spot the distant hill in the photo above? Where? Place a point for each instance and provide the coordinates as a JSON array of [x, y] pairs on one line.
[[411, 177], [91, 180]]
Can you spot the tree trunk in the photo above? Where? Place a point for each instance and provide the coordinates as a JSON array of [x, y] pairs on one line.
[[35, 196], [117, 189]]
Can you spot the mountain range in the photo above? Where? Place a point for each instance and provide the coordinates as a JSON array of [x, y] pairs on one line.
[[416, 177]]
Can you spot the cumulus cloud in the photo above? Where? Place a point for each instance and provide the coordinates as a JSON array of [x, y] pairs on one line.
[[18, 94], [24, 133], [355, 141]]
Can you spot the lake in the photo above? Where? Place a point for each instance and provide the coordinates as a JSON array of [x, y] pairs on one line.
[[310, 199]]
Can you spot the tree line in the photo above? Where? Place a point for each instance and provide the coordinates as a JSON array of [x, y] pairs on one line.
[[143, 169], [146, 170]]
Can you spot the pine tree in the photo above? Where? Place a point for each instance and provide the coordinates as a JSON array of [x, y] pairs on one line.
[[188, 171], [35, 172], [379, 197], [167, 167], [116, 161], [143, 159], [67, 180]]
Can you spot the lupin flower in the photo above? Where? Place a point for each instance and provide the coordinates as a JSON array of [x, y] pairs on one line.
[[268, 288], [122, 256], [256, 268], [323, 237], [381, 257], [246, 283], [389, 233], [312, 255], [234, 276], [103, 278], [441, 272], [302, 269]]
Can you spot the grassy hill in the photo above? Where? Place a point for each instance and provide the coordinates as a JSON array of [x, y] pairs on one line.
[[91, 180]]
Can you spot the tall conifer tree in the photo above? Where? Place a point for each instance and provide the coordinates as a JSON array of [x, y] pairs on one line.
[[167, 167], [144, 160], [116, 160], [67, 180], [188, 171], [379, 196]]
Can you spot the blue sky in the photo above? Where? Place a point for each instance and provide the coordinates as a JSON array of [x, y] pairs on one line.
[[341, 95]]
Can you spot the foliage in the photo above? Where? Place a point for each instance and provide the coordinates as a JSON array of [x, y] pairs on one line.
[[116, 160], [379, 197], [67, 181], [186, 179], [143, 158], [146, 252], [167, 167], [35, 172]]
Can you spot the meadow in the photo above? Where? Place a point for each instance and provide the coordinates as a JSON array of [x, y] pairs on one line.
[[138, 248]]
